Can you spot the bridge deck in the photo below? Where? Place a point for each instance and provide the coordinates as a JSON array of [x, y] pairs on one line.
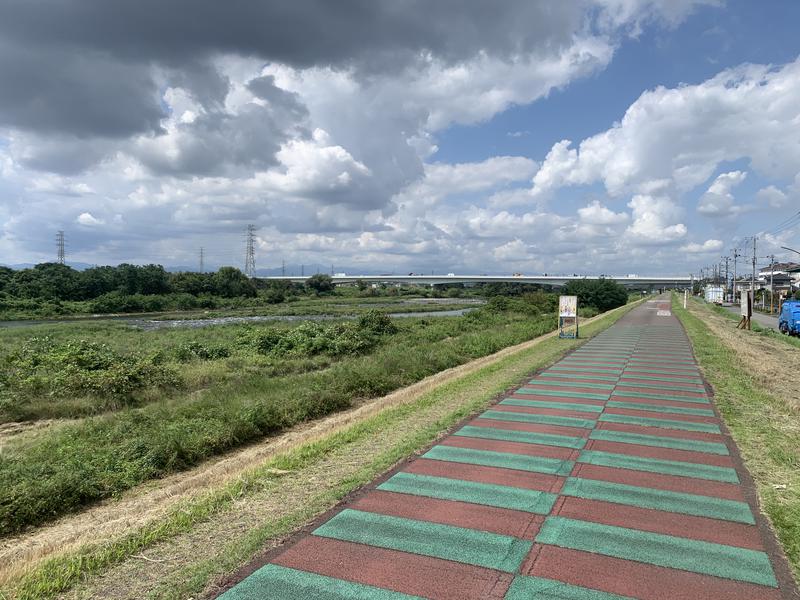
[[606, 476]]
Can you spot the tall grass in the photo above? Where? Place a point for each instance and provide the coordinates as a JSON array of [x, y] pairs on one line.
[[102, 456]]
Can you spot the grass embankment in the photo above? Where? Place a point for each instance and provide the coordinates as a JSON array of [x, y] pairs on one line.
[[202, 539], [767, 332], [75, 465], [764, 421]]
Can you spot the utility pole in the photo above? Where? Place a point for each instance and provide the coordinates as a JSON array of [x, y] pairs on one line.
[[736, 255], [250, 252], [727, 280], [771, 275], [202, 260], [753, 281], [60, 246]]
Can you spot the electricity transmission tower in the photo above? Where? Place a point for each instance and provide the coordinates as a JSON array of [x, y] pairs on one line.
[[60, 246], [202, 260], [250, 253]]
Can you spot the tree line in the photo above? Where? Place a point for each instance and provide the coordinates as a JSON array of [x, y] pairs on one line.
[[54, 281]]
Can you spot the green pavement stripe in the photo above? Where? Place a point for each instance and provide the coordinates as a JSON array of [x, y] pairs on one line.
[[662, 423], [560, 367], [487, 494], [593, 408], [639, 372], [678, 410], [481, 548], [597, 356], [282, 583], [501, 415], [594, 358], [659, 441], [505, 460], [647, 377], [659, 549], [664, 364], [585, 364], [524, 437], [627, 394], [697, 389], [589, 361], [575, 384], [616, 344], [527, 588], [572, 376], [655, 465], [584, 395], [675, 502]]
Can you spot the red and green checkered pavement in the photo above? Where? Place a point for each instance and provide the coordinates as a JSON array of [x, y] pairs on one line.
[[607, 476]]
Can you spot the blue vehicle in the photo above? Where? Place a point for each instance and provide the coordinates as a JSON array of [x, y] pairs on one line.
[[789, 319]]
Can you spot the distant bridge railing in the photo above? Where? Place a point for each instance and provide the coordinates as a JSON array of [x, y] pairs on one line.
[[554, 280]]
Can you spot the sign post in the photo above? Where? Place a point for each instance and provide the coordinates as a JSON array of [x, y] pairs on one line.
[[568, 317], [747, 310]]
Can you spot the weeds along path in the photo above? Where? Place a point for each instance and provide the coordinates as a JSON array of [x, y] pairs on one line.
[[758, 393], [188, 522]]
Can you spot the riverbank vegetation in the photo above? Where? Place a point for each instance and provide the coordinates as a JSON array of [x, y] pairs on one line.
[[150, 403]]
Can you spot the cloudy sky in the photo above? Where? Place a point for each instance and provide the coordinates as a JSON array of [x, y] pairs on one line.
[[613, 136]]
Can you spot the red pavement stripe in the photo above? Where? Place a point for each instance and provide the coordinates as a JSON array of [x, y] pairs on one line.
[[702, 436], [535, 397], [656, 521], [660, 453], [531, 427], [575, 381], [522, 479], [555, 412], [655, 389], [638, 580], [566, 390], [391, 569], [654, 402], [660, 481], [512, 447], [449, 512], [633, 412]]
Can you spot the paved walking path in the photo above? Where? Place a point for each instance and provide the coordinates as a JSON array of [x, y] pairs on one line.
[[607, 476]]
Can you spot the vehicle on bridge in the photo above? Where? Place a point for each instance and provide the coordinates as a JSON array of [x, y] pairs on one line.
[[789, 319]]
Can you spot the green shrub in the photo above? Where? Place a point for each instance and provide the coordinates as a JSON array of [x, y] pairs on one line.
[[196, 350], [377, 323], [42, 367], [311, 339]]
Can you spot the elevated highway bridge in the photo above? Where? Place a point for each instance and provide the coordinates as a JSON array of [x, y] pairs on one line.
[[630, 281]]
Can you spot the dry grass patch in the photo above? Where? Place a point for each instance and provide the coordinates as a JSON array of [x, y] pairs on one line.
[[756, 390]]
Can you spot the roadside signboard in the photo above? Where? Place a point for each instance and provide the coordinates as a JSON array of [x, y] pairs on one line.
[[568, 316], [567, 306], [746, 310]]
